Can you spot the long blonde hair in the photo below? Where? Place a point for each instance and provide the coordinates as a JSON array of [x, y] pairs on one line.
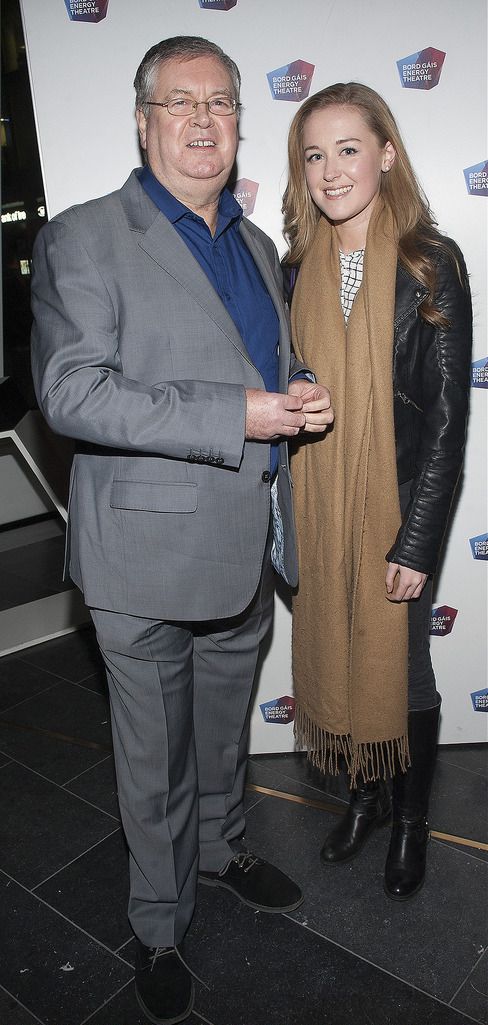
[[399, 189]]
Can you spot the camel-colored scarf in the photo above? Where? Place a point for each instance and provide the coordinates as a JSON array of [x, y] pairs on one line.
[[349, 642]]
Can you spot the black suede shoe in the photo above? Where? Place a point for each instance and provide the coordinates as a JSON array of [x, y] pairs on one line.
[[164, 987], [256, 883], [369, 807]]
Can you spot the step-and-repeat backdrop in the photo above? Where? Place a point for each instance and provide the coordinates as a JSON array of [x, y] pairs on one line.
[[429, 62]]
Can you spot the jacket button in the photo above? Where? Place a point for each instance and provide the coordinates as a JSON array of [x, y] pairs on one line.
[[265, 476]]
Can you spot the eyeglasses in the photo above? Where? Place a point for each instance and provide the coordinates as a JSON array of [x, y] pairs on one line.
[[182, 106]]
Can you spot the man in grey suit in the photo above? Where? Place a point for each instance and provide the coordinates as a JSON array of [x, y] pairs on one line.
[[161, 344]]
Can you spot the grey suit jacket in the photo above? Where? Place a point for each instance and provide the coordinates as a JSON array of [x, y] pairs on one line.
[[135, 356]]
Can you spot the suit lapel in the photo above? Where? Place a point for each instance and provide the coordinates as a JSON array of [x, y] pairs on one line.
[[159, 239], [262, 262]]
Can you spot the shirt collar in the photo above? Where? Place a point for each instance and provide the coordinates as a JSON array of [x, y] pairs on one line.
[[230, 211]]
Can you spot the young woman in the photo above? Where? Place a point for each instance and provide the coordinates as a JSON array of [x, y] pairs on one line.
[[381, 310]]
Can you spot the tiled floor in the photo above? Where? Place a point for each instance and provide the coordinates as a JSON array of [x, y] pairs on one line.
[[348, 956]]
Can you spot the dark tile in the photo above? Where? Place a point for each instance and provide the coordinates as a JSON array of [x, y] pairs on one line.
[[12, 1013], [459, 802], [43, 826], [93, 891], [294, 773], [469, 852], [98, 786], [55, 970], [97, 683], [473, 996], [73, 657], [468, 756], [67, 710], [59, 733], [4, 760], [58, 760], [250, 799], [347, 904], [268, 970], [19, 681], [123, 1009]]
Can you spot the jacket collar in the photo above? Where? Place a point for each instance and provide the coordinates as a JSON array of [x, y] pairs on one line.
[[409, 294]]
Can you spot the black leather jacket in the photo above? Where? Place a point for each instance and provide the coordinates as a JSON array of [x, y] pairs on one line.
[[431, 383]]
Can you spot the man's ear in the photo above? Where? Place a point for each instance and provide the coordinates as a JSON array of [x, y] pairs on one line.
[[141, 126]]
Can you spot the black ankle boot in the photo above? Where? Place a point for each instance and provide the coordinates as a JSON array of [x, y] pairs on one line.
[[405, 864], [369, 807]]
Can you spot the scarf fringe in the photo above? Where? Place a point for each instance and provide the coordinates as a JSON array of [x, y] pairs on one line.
[[370, 761]]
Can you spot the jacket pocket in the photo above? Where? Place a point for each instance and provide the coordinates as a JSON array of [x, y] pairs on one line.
[[147, 496]]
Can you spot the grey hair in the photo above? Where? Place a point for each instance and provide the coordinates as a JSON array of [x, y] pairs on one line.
[[182, 48]]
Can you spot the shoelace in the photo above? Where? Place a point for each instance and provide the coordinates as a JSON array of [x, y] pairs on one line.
[[162, 951], [243, 860]]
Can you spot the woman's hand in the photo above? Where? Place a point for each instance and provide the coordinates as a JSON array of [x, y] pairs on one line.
[[402, 583]]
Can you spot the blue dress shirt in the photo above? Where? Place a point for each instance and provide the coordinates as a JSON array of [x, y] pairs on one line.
[[230, 268]]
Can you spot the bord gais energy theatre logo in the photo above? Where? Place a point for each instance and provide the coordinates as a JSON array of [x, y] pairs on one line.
[[479, 546], [421, 70], [479, 373], [217, 5], [279, 711], [245, 191], [86, 10], [480, 700], [476, 178], [442, 621], [292, 81]]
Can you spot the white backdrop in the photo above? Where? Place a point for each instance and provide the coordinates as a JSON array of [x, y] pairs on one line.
[[81, 74]]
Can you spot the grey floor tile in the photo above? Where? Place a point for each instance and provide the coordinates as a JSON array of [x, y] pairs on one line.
[[77, 719], [97, 682], [57, 759], [68, 710], [293, 773], [43, 826], [55, 970], [98, 786], [472, 998], [347, 904], [93, 892], [468, 756], [73, 657], [459, 802], [19, 681], [12, 1013], [268, 970]]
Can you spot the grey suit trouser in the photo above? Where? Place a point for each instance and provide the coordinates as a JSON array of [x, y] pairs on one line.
[[180, 696]]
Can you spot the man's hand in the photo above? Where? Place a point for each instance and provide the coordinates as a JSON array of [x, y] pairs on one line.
[[402, 583], [316, 405], [272, 415]]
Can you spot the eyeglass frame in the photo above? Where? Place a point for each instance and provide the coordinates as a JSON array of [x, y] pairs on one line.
[[196, 103]]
